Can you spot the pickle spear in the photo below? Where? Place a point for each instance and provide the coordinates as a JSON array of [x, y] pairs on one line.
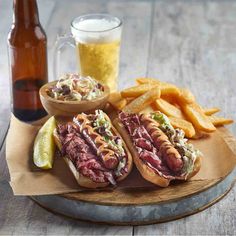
[[44, 146]]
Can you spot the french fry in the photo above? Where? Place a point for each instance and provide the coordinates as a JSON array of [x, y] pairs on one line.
[[147, 81], [172, 99], [117, 101], [186, 96], [144, 100], [195, 114], [148, 109], [211, 111], [177, 103], [219, 121], [136, 91], [185, 125], [166, 88], [167, 108], [153, 81], [129, 100], [169, 90]]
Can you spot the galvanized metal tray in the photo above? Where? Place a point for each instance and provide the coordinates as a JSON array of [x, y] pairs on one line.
[[137, 212]]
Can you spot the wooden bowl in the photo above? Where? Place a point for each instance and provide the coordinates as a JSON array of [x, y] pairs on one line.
[[71, 108]]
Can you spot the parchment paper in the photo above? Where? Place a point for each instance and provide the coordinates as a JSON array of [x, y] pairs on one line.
[[219, 159]]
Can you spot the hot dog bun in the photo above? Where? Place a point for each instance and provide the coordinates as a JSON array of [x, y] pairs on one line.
[[85, 181], [148, 173]]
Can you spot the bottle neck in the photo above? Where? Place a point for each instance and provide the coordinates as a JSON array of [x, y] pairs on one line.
[[25, 13]]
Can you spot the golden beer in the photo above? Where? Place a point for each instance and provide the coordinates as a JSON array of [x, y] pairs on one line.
[[100, 61], [97, 38]]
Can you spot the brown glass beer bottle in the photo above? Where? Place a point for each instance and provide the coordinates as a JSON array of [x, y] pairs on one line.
[[27, 44]]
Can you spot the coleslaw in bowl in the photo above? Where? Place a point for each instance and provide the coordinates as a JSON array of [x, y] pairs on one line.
[[73, 94]]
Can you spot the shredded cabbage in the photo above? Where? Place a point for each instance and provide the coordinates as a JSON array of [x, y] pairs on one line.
[[121, 166], [72, 87], [101, 122]]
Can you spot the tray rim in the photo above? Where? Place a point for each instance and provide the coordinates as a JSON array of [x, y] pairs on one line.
[[214, 201], [216, 181]]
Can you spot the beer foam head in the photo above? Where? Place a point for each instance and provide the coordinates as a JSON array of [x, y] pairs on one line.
[[96, 25], [101, 30]]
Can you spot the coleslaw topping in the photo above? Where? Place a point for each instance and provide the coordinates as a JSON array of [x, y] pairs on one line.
[[73, 87], [176, 137]]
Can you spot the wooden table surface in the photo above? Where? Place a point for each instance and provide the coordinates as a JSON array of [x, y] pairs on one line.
[[191, 43]]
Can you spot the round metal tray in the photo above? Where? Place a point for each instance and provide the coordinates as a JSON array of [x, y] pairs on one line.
[[137, 214]]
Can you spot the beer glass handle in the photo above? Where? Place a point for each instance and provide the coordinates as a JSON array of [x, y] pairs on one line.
[[61, 42]]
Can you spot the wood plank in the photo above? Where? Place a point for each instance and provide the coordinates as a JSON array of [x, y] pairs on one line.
[[4, 173], [4, 121], [3, 132], [191, 45]]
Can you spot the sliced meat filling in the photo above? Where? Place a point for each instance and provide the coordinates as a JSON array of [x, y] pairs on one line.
[[145, 146], [82, 156]]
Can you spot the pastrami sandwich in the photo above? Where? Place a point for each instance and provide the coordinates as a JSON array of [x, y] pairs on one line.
[[93, 150], [160, 152]]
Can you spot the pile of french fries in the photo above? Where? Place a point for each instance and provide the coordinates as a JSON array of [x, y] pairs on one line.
[[179, 104]]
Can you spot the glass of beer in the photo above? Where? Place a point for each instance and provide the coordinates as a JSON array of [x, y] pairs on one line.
[[96, 38]]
